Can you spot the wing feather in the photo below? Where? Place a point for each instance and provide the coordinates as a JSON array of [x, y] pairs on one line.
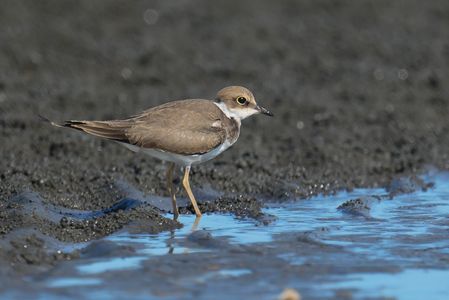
[[185, 127]]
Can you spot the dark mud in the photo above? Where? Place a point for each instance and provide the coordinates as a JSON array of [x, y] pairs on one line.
[[359, 89]]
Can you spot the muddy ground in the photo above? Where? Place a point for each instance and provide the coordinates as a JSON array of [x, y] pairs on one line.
[[359, 90]]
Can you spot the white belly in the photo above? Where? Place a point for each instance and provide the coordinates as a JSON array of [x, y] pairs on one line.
[[179, 159]]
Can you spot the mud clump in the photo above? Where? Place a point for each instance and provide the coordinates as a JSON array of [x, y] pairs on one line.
[[72, 225], [241, 206], [407, 185], [360, 206]]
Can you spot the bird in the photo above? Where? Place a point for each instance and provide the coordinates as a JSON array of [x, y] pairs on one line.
[[183, 133]]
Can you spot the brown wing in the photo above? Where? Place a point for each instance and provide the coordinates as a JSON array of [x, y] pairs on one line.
[[184, 127]]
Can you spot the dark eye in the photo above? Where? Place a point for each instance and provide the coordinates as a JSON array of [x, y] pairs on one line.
[[241, 100]]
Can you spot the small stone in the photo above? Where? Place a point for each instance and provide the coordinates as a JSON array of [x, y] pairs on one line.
[[289, 294]]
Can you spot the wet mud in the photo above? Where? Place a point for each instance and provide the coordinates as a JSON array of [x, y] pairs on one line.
[[360, 94], [324, 247]]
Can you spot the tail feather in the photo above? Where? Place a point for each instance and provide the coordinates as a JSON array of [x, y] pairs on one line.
[[112, 130], [49, 121], [106, 129]]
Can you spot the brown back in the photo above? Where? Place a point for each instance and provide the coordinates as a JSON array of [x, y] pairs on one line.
[[186, 127]]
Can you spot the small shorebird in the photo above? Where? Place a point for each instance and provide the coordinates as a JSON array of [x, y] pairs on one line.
[[184, 132]]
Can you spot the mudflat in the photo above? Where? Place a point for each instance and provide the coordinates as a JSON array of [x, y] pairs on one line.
[[359, 89]]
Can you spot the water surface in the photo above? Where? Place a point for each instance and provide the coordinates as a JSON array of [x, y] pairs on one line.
[[384, 247]]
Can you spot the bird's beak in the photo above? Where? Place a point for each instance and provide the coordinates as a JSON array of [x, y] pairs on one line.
[[264, 111]]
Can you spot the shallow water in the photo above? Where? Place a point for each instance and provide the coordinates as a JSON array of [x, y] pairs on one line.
[[387, 247], [405, 285]]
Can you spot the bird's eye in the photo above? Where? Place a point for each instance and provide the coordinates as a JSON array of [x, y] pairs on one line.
[[241, 100]]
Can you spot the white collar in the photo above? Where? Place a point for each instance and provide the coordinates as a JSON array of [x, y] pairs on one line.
[[239, 115]]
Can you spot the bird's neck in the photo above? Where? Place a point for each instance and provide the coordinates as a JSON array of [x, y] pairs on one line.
[[232, 124], [231, 115]]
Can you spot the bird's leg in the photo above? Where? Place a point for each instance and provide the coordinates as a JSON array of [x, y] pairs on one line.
[[186, 184], [195, 224], [172, 191]]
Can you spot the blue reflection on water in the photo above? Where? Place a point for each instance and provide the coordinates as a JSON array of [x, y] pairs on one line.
[[116, 263], [411, 284], [72, 282]]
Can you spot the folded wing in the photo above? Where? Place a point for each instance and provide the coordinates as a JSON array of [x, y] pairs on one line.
[[185, 127]]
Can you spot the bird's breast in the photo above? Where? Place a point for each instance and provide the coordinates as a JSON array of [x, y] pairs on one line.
[[232, 127]]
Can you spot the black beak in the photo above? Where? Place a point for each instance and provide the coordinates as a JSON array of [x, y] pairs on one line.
[[264, 111]]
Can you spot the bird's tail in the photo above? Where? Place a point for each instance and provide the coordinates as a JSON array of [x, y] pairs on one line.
[[111, 130], [49, 121]]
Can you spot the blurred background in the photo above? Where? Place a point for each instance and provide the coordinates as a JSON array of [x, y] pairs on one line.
[[360, 94], [358, 88]]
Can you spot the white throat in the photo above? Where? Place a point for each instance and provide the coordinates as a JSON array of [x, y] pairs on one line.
[[238, 114]]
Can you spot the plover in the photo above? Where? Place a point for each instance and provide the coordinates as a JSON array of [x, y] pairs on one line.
[[184, 132]]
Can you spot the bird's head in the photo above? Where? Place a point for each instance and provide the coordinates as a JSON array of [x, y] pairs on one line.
[[238, 102]]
